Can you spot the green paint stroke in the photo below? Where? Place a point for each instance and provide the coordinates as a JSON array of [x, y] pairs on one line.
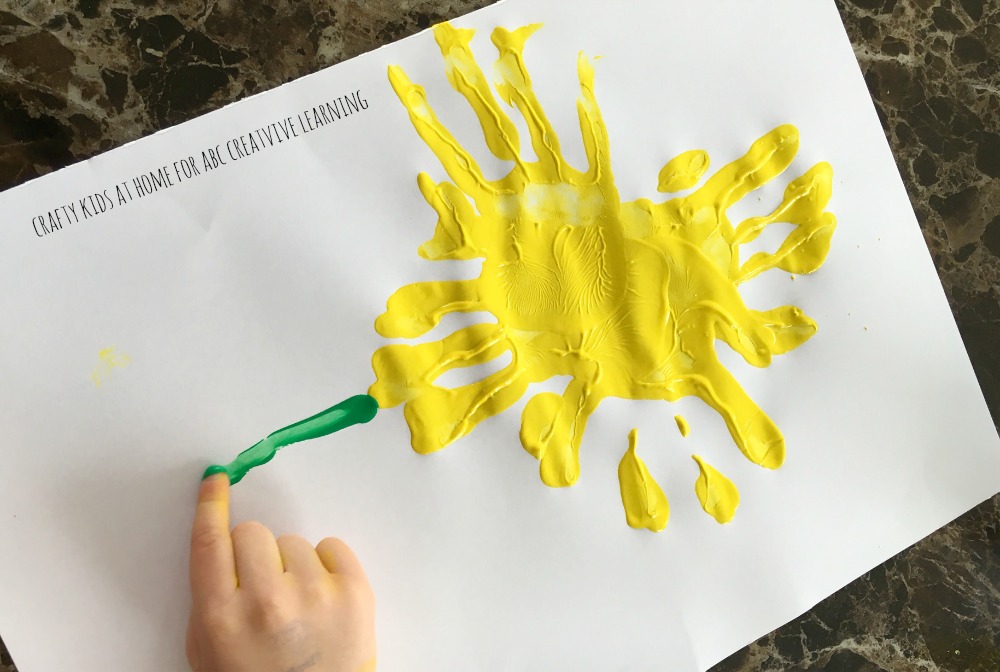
[[356, 410]]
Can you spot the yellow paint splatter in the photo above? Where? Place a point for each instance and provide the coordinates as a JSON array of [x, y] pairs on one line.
[[645, 504], [682, 425], [108, 360], [717, 494], [627, 298]]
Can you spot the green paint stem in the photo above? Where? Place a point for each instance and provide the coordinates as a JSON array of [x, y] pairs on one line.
[[355, 410]]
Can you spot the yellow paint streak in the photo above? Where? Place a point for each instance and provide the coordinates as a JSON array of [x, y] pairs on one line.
[[645, 504], [108, 359], [717, 494], [626, 298], [682, 425]]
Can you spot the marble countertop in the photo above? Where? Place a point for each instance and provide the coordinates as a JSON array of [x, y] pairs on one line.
[[78, 77]]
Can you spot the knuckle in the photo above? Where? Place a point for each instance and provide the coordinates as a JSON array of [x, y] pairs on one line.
[[360, 595], [205, 540], [322, 598], [329, 543], [291, 540], [273, 611], [249, 528]]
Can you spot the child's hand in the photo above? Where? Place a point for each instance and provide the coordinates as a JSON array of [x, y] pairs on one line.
[[261, 605]]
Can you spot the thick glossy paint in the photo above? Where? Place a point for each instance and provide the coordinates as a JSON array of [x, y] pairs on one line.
[[357, 409], [627, 298]]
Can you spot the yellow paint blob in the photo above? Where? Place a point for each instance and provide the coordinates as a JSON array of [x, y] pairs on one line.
[[683, 171], [682, 425], [645, 504], [626, 298], [108, 360], [717, 494]]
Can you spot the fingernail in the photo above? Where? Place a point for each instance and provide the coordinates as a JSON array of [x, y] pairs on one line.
[[212, 470]]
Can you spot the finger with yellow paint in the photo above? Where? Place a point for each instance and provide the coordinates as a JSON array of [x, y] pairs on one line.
[[250, 590]]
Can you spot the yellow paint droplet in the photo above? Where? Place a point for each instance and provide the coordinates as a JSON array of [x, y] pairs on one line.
[[645, 504], [682, 425], [792, 277], [717, 494], [628, 299], [108, 359]]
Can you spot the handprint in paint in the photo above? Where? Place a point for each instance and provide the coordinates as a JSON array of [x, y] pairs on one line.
[[628, 298]]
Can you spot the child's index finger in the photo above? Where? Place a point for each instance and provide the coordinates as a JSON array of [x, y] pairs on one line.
[[213, 569]]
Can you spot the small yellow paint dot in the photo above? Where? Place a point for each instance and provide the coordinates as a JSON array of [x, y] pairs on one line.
[[866, 328], [792, 277]]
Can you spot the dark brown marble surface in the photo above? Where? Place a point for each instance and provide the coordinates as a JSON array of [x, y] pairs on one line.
[[78, 77]]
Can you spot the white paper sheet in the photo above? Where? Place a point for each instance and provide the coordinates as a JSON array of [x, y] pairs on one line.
[[245, 299]]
